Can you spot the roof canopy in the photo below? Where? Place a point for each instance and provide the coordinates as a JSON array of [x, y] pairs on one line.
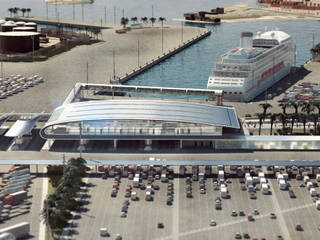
[[21, 127], [156, 110]]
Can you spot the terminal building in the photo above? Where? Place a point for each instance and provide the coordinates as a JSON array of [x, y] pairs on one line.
[[148, 120]]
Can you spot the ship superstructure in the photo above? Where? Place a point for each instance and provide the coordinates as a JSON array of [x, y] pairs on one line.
[[246, 71]]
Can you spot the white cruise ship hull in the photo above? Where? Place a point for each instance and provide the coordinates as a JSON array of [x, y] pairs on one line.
[[243, 78]]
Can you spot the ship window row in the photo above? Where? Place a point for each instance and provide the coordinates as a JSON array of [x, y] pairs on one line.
[[259, 42], [225, 92], [230, 74]]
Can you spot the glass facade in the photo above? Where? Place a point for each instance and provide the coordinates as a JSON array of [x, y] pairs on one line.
[[131, 128]]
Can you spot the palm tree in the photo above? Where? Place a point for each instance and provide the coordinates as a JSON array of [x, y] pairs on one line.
[[265, 107], [153, 20], [294, 105], [273, 118], [15, 11], [162, 19], [11, 11], [314, 117], [307, 107], [261, 117], [303, 118], [283, 117], [144, 19], [23, 10], [28, 11], [317, 105], [124, 21], [294, 116], [134, 19], [283, 106]]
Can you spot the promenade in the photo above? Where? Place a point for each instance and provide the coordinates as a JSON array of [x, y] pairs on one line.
[[61, 72], [55, 22]]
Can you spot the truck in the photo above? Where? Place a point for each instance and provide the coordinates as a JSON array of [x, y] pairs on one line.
[[263, 180], [148, 196], [134, 196], [164, 177], [306, 178], [208, 171], [313, 192], [19, 197], [280, 177], [265, 188], [224, 192], [249, 180], [220, 174], [136, 182], [261, 175], [125, 171], [309, 185], [282, 184], [20, 230], [318, 177]]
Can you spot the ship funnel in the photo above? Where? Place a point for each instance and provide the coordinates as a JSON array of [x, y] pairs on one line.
[[246, 40]]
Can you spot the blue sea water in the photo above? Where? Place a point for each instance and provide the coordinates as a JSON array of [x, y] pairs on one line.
[[137, 8], [192, 67]]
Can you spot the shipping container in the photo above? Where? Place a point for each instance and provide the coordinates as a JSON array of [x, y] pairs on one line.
[[19, 197], [20, 230]]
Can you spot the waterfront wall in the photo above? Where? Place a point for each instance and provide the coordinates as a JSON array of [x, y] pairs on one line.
[[160, 58]]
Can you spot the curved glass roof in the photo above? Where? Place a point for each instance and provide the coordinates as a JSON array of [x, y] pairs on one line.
[[155, 110]]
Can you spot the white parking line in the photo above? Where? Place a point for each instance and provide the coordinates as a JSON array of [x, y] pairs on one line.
[[42, 227], [277, 208], [175, 215]]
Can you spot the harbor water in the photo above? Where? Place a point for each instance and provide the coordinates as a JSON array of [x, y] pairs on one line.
[[192, 67]]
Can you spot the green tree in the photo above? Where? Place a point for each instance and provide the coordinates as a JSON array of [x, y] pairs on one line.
[[265, 107], [273, 117], [28, 11], [303, 118], [124, 21], [153, 20], [15, 11], [161, 19], [295, 106], [314, 117], [317, 105], [134, 19], [10, 11], [144, 19], [284, 107], [261, 117], [307, 107], [23, 10]]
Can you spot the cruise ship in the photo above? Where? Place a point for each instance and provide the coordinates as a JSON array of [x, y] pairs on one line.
[[246, 71]]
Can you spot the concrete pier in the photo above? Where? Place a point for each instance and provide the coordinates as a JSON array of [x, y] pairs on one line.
[[160, 58], [55, 22]]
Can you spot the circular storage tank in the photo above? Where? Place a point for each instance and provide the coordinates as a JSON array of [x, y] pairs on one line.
[[19, 42], [20, 24], [23, 29], [7, 27], [32, 24]]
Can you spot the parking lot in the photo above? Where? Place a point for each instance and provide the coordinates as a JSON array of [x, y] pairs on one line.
[[189, 218]]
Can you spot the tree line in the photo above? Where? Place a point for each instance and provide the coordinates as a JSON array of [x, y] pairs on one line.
[[124, 21], [15, 11], [303, 113], [57, 205]]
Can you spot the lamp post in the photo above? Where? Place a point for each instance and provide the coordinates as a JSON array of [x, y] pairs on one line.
[[138, 53], [105, 14], [182, 32]]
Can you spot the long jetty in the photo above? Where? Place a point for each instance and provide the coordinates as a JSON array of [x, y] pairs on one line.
[[160, 58], [62, 22]]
